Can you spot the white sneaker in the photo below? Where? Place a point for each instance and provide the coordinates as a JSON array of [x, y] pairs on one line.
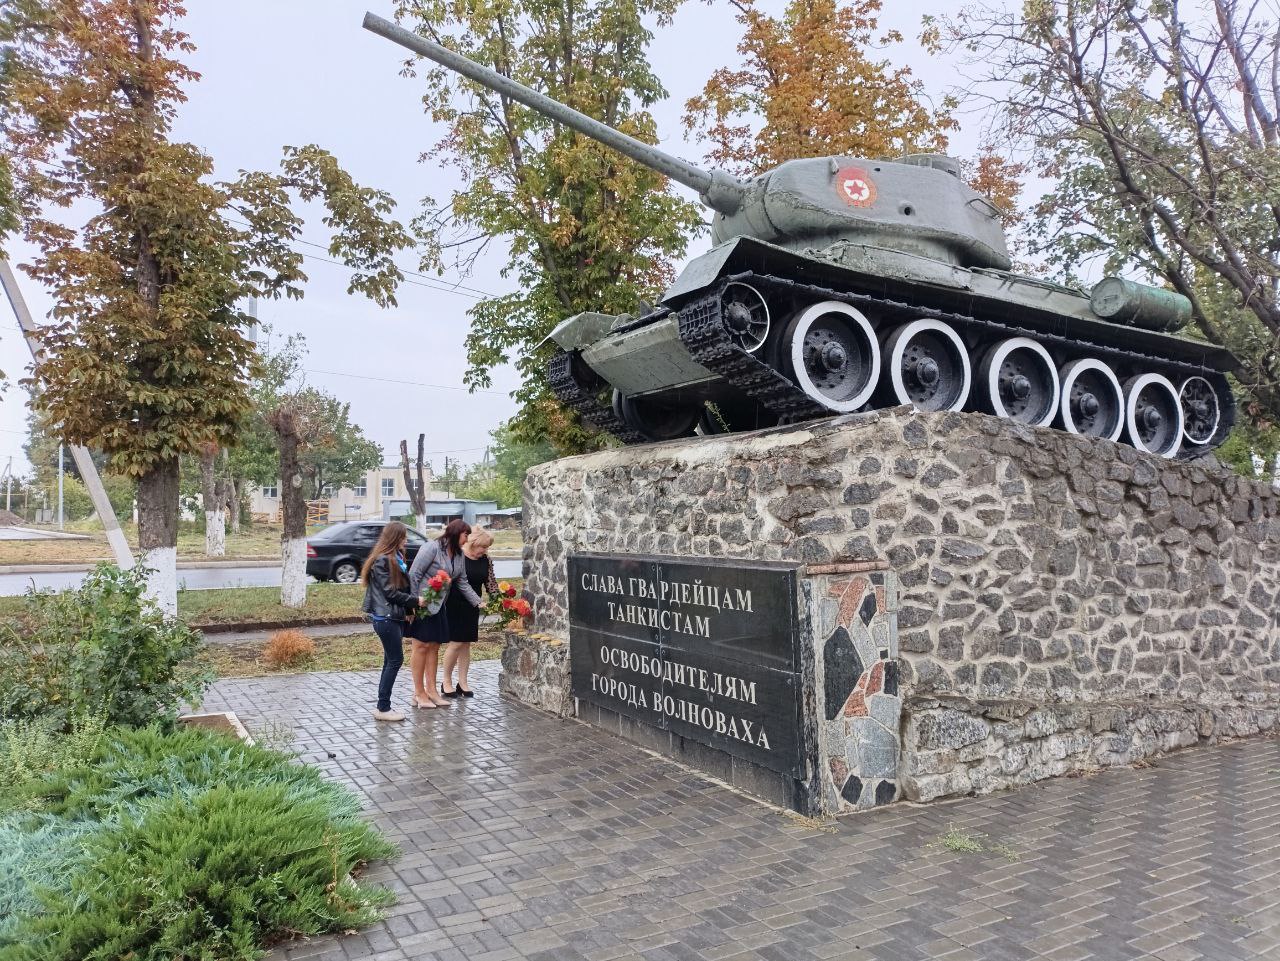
[[388, 715]]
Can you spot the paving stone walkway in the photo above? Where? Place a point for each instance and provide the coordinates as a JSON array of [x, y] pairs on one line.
[[527, 837]]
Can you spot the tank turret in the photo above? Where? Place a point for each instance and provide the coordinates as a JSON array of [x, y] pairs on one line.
[[836, 284]]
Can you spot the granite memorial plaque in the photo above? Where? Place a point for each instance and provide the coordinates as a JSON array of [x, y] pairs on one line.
[[706, 649]]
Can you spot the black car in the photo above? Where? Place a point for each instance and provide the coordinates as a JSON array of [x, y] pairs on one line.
[[337, 553]]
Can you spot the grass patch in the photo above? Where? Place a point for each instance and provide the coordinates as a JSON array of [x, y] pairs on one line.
[[349, 652], [253, 543], [257, 542], [261, 605], [963, 842], [254, 605]]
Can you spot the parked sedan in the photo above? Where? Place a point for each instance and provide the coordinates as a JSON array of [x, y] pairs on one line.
[[337, 553]]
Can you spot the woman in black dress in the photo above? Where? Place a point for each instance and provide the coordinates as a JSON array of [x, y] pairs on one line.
[[463, 616]]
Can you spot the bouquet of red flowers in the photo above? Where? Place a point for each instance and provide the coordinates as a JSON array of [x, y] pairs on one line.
[[506, 607], [433, 588]]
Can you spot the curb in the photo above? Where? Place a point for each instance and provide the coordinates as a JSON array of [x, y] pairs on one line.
[[82, 568], [275, 625]]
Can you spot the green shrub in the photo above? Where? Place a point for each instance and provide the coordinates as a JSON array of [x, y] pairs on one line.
[[100, 650], [31, 750], [184, 845]]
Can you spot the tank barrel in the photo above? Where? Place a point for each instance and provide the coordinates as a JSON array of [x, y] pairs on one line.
[[717, 190]]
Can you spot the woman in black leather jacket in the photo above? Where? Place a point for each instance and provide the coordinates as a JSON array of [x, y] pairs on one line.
[[387, 603]]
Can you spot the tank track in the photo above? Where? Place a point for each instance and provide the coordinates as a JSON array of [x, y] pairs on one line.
[[708, 341], [705, 335], [577, 388]]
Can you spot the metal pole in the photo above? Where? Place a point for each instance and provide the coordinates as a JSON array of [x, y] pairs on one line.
[[83, 461], [8, 485], [60, 471]]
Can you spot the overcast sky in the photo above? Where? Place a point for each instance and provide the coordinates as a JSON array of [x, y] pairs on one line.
[[278, 72]]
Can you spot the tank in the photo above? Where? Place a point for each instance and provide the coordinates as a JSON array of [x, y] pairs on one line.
[[843, 284]]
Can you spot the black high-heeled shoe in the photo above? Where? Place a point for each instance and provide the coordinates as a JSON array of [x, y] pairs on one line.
[[449, 694], [463, 691]]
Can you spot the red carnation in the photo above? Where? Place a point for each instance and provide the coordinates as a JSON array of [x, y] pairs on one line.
[[508, 604], [510, 591], [523, 608]]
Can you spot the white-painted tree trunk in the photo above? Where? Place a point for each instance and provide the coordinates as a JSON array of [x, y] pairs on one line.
[[215, 533], [162, 582], [422, 522], [293, 574]]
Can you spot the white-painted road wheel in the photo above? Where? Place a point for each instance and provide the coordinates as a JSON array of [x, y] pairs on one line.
[[1153, 414], [1092, 401], [1018, 380], [928, 366], [832, 352], [1201, 411], [746, 314]]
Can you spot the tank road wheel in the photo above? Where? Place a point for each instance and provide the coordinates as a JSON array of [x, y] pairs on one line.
[[1092, 401], [655, 421], [1153, 414], [1017, 380], [928, 366], [1201, 412], [832, 352], [746, 315]]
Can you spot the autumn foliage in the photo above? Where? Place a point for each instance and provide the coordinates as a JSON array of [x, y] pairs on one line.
[[150, 260], [809, 85]]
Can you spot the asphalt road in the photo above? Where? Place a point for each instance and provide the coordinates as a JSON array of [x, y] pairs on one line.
[[192, 579]]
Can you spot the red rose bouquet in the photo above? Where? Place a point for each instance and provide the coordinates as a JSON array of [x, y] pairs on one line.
[[433, 588], [506, 607]]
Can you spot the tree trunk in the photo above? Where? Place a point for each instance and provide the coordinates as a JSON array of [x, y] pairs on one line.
[[158, 532], [293, 539], [417, 494], [235, 490], [213, 495]]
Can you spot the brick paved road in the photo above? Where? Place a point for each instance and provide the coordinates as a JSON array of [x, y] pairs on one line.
[[526, 837]]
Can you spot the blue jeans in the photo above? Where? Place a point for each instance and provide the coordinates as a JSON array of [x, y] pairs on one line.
[[391, 634]]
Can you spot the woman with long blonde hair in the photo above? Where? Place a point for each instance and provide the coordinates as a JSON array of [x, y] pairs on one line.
[[464, 617], [387, 603]]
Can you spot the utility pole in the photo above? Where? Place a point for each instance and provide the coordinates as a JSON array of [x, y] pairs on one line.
[[60, 472], [84, 462], [8, 484]]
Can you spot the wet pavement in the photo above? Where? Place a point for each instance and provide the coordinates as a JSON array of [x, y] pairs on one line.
[[530, 837]]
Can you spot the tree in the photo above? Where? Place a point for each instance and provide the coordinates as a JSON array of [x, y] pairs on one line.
[[807, 86], [501, 478], [588, 228], [147, 358], [256, 457], [213, 490], [332, 452], [1162, 134], [293, 539], [319, 446], [418, 492]]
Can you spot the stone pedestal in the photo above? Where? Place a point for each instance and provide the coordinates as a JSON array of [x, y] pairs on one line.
[[1005, 604]]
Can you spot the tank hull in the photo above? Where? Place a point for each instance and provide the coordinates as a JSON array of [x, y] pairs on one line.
[[658, 359]]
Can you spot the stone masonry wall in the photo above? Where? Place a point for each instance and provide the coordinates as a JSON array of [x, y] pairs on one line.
[[1065, 603]]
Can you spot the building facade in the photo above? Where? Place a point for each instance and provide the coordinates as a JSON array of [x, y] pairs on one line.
[[380, 486]]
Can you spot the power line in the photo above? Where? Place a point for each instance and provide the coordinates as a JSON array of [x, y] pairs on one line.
[[431, 283], [407, 383]]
